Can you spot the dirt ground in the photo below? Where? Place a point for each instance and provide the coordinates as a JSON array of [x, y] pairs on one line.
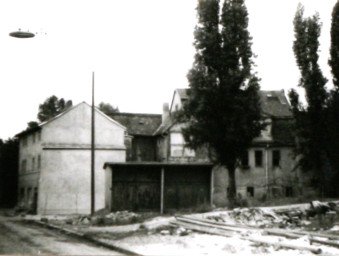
[[17, 237], [157, 237]]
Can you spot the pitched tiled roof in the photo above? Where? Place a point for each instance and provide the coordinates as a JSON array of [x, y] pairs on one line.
[[167, 124], [274, 103], [138, 124], [182, 93]]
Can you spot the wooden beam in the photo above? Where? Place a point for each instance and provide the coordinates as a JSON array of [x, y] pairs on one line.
[[248, 227], [162, 183], [208, 225], [228, 233]]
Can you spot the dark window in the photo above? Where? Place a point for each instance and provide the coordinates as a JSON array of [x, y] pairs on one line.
[[258, 158], [288, 191], [23, 165], [276, 158], [39, 162], [33, 164], [244, 159], [250, 191]]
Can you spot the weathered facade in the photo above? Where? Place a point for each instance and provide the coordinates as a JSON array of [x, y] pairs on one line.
[[268, 169], [156, 186], [55, 161], [140, 142]]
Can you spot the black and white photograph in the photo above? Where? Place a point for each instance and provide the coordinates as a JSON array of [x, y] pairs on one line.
[[169, 127]]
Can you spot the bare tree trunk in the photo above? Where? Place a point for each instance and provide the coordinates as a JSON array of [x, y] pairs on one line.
[[232, 190]]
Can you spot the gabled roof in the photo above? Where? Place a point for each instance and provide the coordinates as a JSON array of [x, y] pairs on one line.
[[165, 126], [275, 103], [138, 124], [182, 93], [34, 129]]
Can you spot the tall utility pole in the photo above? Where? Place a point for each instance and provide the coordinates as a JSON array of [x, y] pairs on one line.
[[93, 152]]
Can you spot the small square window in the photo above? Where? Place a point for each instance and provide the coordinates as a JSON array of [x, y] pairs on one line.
[[250, 191], [23, 165], [258, 158], [288, 191], [33, 163], [39, 162]]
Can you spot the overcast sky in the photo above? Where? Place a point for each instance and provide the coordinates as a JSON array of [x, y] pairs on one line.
[[140, 51]]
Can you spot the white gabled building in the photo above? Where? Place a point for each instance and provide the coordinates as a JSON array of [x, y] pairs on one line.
[[55, 161]]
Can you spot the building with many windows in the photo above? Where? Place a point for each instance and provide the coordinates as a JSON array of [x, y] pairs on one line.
[[55, 161], [268, 168], [147, 163]]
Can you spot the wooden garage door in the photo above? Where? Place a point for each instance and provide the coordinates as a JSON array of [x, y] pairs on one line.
[[186, 187], [136, 188]]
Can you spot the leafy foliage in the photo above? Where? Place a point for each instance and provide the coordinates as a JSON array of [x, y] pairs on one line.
[[311, 129], [223, 109], [52, 107], [108, 108], [9, 157], [333, 102], [32, 124], [334, 50]]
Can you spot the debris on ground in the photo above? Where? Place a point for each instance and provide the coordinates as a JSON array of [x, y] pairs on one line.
[[254, 217], [264, 218], [113, 218]]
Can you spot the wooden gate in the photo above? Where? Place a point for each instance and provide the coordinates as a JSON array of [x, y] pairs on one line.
[[136, 189], [186, 187]]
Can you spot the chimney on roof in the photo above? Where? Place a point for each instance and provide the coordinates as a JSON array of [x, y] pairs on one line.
[[165, 111]]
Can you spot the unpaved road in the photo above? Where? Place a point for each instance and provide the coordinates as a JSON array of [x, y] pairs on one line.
[[19, 237]]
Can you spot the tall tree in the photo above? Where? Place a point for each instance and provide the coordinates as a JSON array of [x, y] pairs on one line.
[[333, 102], [223, 107], [9, 158], [310, 120], [52, 107], [334, 50], [108, 108]]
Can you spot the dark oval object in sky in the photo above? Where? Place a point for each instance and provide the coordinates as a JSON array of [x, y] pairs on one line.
[[21, 34]]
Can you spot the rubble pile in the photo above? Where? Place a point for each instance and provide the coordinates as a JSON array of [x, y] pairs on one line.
[[265, 218], [116, 218], [253, 217], [113, 218]]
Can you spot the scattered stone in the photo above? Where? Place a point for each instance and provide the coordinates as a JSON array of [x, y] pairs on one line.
[[85, 220], [116, 218], [182, 231], [164, 232]]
